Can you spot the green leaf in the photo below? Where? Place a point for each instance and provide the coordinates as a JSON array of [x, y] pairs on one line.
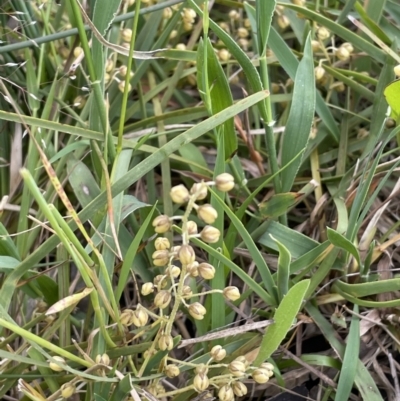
[[278, 204], [264, 12], [342, 242], [300, 118], [220, 94], [283, 269], [392, 95], [8, 263], [284, 318]]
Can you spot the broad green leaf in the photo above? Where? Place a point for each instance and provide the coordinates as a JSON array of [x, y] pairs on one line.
[[301, 116], [341, 241], [283, 269], [392, 95], [8, 263], [279, 204], [264, 11], [284, 318]]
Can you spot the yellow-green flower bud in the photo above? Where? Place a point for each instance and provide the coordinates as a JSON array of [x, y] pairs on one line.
[[283, 21], [397, 70], [201, 382], [200, 189], [162, 243], [191, 227], [237, 368], [188, 15], [162, 299], [109, 65], [234, 15], [224, 182], [207, 213], [186, 254], [299, 2], [323, 33], [260, 376], [103, 359], [123, 70], [239, 389], [243, 359], [126, 35], [78, 51], [126, 317], [179, 194], [186, 291], [319, 73], [121, 87], [268, 366], [225, 393], [171, 371], [231, 293], [197, 310], [140, 317], [210, 234], [173, 271], [315, 45], [54, 366], [79, 102], [342, 53], [67, 390], [201, 369], [147, 288], [165, 342], [224, 26], [217, 353], [160, 258], [160, 281], [224, 55], [242, 32], [180, 46], [192, 269], [161, 224], [206, 271], [167, 13]]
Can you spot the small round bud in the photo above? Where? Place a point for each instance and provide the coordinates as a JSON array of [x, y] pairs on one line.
[[126, 317], [397, 70], [239, 389], [224, 182], [197, 311], [242, 32], [160, 258], [224, 55], [180, 46], [225, 393], [201, 369], [126, 35], [247, 23], [161, 224], [283, 21], [121, 87], [187, 26], [237, 368], [186, 291], [78, 51], [165, 342], [191, 227], [217, 353], [67, 390], [348, 46], [243, 43], [140, 317], [107, 78], [160, 281], [167, 13], [319, 73], [299, 2], [186, 254], [231, 293], [123, 70], [224, 26], [201, 382], [234, 15], [210, 234], [339, 86], [206, 271], [109, 65], [179, 194], [268, 366], [162, 299], [323, 33], [162, 243], [315, 45], [173, 34], [188, 15], [207, 213], [79, 102], [173, 271], [243, 359], [171, 371], [260, 376], [103, 359], [54, 366], [342, 53], [200, 189], [192, 269]]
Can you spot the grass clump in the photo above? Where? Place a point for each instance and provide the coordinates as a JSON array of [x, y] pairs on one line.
[[191, 193]]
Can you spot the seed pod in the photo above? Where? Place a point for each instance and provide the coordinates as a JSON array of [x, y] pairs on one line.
[[237, 368], [165, 342], [126, 317], [239, 389], [217, 353], [67, 390], [161, 224], [54, 366], [172, 371], [207, 213], [147, 288], [210, 234], [197, 310], [224, 182], [201, 382], [260, 376], [231, 293], [206, 271], [162, 243], [162, 299], [191, 227], [160, 258], [179, 194], [140, 317], [186, 254], [225, 393], [200, 189]]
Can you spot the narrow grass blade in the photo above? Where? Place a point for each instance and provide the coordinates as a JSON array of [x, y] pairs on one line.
[[283, 269]]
